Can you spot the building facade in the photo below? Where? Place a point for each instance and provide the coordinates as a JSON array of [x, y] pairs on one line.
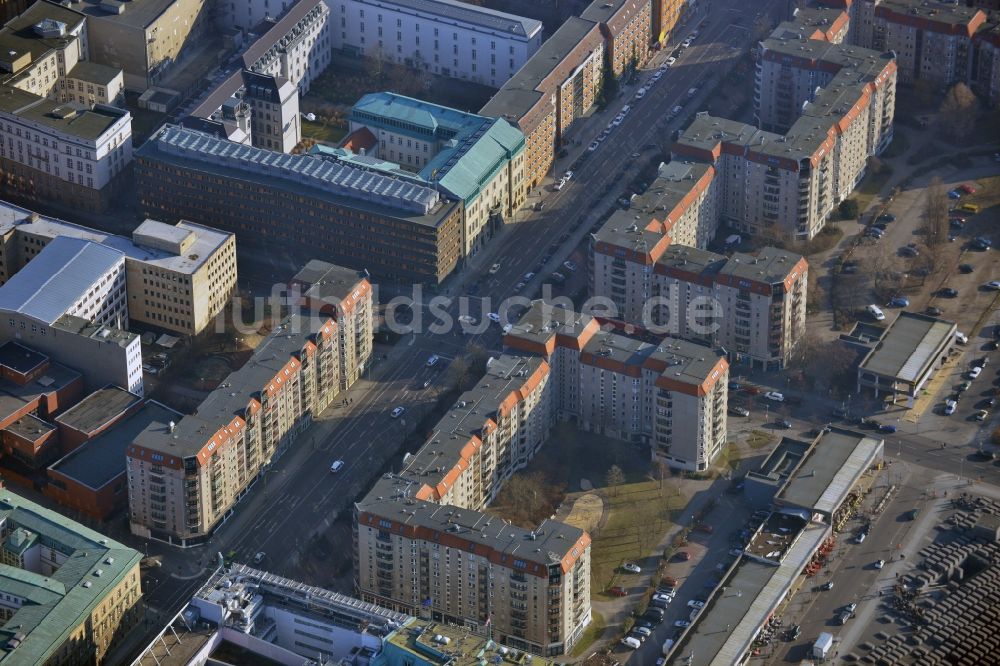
[[626, 26], [476, 160], [177, 277], [185, 478], [393, 225], [296, 47], [347, 296], [445, 37], [70, 594]]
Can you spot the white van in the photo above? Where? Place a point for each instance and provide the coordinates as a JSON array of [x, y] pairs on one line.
[[876, 312], [632, 643]]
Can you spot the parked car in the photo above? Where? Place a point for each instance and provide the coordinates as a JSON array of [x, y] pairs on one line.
[[974, 372], [993, 285], [982, 415], [259, 557], [736, 410], [954, 194], [669, 62], [662, 597], [887, 428], [966, 268], [618, 591], [886, 217], [774, 396], [828, 585], [432, 360], [570, 266], [632, 567], [695, 603], [593, 146], [682, 556], [899, 302], [735, 386], [879, 564], [965, 188], [397, 412], [784, 424], [681, 624], [631, 642], [947, 292], [644, 632], [982, 243], [950, 406], [933, 311], [964, 386]]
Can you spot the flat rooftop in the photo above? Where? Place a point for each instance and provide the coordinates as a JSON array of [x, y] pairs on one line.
[[102, 459], [932, 12], [14, 397], [19, 34], [454, 12], [87, 329], [94, 72], [328, 282], [418, 640], [770, 266], [909, 347], [728, 625], [19, 358], [30, 428], [775, 536], [203, 241], [137, 14], [829, 470], [98, 409], [68, 117]]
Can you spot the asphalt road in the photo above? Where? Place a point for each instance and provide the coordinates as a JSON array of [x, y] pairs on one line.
[[298, 495]]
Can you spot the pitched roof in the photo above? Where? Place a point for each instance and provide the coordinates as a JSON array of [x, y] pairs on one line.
[[57, 278]]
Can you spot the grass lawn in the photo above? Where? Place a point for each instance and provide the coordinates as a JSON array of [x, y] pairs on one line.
[[321, 132], [638, 515], [869, 188], [758, 439], [590, 634]]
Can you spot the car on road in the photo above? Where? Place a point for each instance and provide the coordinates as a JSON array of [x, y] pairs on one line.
[[682, 556], [981, 362], [631, 642], [933, 311], [948, 292], [954, 194], [887, 428], [568, 176], [432, 360], [878, 564], [618, 591], [736, 410], [337, 466], [794, 632], [557, 277], [696, 603], [519, 286], [397, 412], [687, 42], [632, 567], [784, 424], [640, 93], [528, 276], [964, 386], [559, 185], [259, 557], [982, 415], [957, 222], [593, 146], [467, 319], [570, 266], [874, 232], [774, 396], [662, 597], [982, 243], [950, 406], [677, 109], [494, 269], [862, 535], [493, 317], [875, 312], [992, 285], [966, 268], [886, 217], [962, 338], [657, 75], [965, 188], [912, 514], [908, 251], [828, 585], [974, 372], [669, 62], [644, 632], [899, 302], [681, 624]]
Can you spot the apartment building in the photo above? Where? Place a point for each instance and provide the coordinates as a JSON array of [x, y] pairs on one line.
[[551, 91], [631, 389], [626, 26], [145, 38], [70, 594], [185, 478], [177, 277], [751, 306], [347, 297], [666, 15], [470, 158], [296, 47], [932, 40], [394, 225], [445, 37], [986, 74], [419, 530], [792, 72], [828, 24]]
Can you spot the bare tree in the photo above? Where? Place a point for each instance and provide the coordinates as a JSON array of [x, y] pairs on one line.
[[375, 66], [660, 472], [615, 477], [958, 112], [935, 226]]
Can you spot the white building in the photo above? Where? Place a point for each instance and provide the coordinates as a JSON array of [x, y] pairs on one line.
[[296, 46], [62, 152], [445, 37], [70, 276]]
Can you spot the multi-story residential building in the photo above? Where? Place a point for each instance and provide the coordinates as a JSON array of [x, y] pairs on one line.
[[185, 478], [394, 225], [933, 41], [444, 37], [751, 306], [69, 276], [626, 26], [986, 74], [473, 159], [70, 594], [61, 153], [558, 85], [828, 24], [177, 277], [347, 296], [144, 37], [666, 14], [631, 389]]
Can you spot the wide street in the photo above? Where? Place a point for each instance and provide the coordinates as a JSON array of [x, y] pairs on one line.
[[298, 496]]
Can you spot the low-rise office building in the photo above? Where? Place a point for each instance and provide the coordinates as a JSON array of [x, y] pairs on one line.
[[395, 226], [446, 37], [183, 479], [346, 296], [177, 277], [70, 594], [554, 88], [476, 160]]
